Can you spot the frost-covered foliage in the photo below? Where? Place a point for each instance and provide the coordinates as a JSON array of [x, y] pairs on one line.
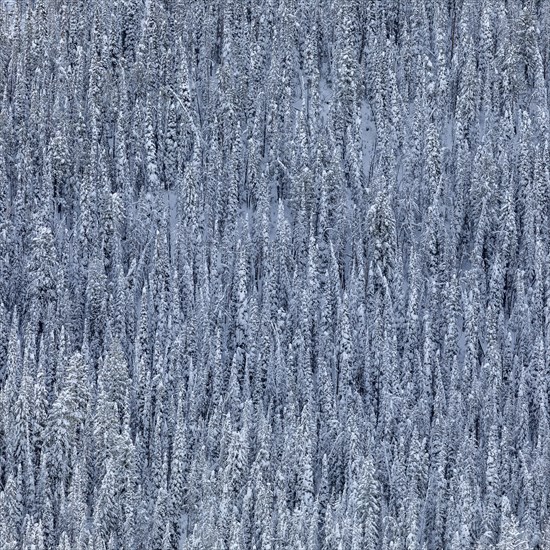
[[274, 274]]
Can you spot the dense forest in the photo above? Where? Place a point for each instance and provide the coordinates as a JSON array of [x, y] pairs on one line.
[[274, 274]]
